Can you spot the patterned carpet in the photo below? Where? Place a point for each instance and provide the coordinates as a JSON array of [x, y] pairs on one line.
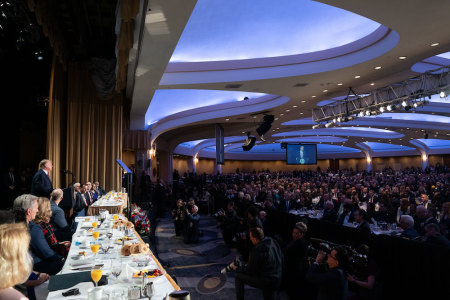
[[196, 267]]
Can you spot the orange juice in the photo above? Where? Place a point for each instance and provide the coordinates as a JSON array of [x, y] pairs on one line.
[[94, 224], [115, 217], [96, 234], [94, 248], [96, 275]]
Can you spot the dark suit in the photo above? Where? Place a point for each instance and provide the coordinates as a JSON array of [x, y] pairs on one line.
[[80, 205], [41, 185]]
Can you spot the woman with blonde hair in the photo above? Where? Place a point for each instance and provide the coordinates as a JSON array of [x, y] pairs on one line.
[[15, 261], [43, 219]]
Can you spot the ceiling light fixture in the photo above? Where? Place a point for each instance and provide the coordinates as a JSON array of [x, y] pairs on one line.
[[402, 57], [372, 83], [325, 91], [377, 68], [434, 44], [339, 84], [442, 94], [357, 76]]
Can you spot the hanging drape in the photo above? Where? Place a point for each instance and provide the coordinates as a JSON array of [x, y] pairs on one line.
[[57, 98], [94, 130]]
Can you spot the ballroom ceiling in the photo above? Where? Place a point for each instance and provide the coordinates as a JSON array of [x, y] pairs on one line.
[[200, 59]]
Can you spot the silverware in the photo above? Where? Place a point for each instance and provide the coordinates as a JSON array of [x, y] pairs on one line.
[[88, 267]]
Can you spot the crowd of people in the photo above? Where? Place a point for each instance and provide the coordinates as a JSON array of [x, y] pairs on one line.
[[414, 201], [36, 233]]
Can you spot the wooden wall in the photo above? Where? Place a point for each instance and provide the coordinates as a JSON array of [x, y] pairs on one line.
[[398, 162]]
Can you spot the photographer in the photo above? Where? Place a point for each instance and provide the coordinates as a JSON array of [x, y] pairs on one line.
[[191, 231], [228, 223], [179, 215], [332, 282], [295, 265], [264, 268]]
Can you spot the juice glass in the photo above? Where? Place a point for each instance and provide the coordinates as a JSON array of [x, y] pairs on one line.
[[96, 275]]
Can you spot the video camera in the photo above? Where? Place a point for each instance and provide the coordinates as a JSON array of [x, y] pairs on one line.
[[219, 213], [357, 262], [236, 262]]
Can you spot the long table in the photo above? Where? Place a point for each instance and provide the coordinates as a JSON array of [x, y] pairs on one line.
[[112, 202], [163, 285]]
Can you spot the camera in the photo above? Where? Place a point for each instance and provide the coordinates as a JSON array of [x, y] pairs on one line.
[[219, 213], [236, 262]]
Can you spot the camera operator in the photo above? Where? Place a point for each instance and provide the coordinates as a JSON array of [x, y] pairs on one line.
[[295, 264], [331, 282], [228, 223], [363, 279], [264, 268]]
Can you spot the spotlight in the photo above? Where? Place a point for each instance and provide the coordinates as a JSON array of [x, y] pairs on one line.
[[328, 125], [249, 142], [367, 112], [265, 126], [382, 109], [442, 94], [404, 103], [339, 119], [334, 120], [361, 114]]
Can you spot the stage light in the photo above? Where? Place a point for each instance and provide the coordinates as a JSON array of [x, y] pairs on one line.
[[382, 109], [367, 112], [361, 114], [328, 125], [442, 94], [339, 119]]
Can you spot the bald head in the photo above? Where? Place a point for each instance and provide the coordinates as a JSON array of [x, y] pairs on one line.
[[421, 211]]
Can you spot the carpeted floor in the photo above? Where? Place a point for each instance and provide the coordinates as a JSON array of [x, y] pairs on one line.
[[196, 267]]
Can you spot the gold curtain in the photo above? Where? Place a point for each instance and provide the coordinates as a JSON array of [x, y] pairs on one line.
[[128, 12], [56, 100], [94, 130]]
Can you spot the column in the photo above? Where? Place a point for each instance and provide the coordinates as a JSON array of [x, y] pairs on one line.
[[368, 153], [192, 164], [424, 152], [165, 165], [217, 168]]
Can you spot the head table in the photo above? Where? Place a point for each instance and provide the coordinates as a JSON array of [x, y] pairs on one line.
[[120, 287], [112, 202]]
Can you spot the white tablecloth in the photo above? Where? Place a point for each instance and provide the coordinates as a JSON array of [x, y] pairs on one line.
[[81, 242]]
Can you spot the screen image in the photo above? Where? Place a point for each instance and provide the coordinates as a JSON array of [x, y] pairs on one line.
[[300, 154]]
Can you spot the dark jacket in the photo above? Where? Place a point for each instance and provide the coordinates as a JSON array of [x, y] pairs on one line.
[[41, 185], [332, 284], [410, 233], [266, 262], [40, 250]]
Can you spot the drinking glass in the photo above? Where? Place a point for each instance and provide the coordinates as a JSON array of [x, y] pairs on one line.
[[95, 224], [96, 234], [94, 249], [115, 217], [105, 246], [96, 275], [116, 270]]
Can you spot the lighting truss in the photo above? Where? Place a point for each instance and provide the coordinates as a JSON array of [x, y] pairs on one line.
[[408, 95]]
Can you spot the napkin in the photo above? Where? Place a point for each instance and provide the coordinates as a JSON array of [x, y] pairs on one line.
[[65, 281]]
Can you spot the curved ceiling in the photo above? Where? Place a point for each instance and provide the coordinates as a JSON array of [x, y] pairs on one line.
[[173, 46], [257, 28], [169, 102]]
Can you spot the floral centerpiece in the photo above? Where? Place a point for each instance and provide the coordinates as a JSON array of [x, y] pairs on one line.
[[139, 219]]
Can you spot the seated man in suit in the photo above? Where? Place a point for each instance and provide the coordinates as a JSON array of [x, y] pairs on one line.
[[360, 216], [45, 259], [100, 190], [406, 223], [58, 219], [41, 184]]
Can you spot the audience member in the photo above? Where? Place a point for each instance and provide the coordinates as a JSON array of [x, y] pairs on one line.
[[16, 263], [43, 219], [434, 236], [179, 216], [44, 258], [407, 224], [58, 220]]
